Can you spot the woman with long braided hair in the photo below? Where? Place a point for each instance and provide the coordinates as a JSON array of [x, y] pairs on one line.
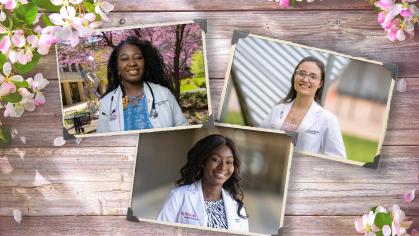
[[139, 93], [209, 192]]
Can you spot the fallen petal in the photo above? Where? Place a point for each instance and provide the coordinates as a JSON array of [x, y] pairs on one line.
[[17, 214], [78, 141], [59, 141], [409, 196], [23, 139], [414, 232], [401, 85]]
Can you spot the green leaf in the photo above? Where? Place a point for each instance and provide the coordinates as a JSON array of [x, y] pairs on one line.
[[382, 219], [27, 13], [379, 233], [13, 97], [47, 21], [23, 84], [89, 7], [10, 24], [31, 14], [373, 209], [5, 137], [377, 9], [3, 59], [16, 21], [98, 17], [90, 1], [25, 68], [293, 2], [47, 4]]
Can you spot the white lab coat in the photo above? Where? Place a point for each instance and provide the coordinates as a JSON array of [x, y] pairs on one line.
[[185, 205], [319, 131], [169, 112]]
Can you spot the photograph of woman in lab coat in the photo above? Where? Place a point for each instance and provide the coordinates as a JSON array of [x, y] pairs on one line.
[[301, 111], [209, 192], [139, 93]]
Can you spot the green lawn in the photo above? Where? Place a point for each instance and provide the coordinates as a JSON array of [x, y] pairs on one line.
[[359, 149], [188, 87], [234, 118]]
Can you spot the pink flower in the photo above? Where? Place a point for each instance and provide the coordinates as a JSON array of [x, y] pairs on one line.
[[284, 3], [414, 232], [385, 4], [386, 230], [64, 19], [7, 85], [5, 44], [18, 38], [2, 16], [366, 224], [85, 26], [381, 17], [102, 7], [39, 82], [26, 95], [39, 99], [10, 4]]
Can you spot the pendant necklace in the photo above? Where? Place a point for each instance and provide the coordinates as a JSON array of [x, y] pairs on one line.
[[293, 119]]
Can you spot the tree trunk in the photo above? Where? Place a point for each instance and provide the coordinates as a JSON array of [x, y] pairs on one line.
[[178, 46]]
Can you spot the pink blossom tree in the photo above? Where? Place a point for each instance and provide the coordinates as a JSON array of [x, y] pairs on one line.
[[176, 42]]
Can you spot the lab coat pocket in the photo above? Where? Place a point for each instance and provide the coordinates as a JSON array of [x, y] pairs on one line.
[[309, 141]]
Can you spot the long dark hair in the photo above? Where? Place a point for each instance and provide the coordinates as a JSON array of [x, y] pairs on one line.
[[199, 154], [292, 94], [156, 69]]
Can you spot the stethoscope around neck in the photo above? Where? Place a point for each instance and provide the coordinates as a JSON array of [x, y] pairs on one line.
[[153, 112]]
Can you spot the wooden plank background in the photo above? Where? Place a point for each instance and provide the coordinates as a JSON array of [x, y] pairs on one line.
[[85, 189]]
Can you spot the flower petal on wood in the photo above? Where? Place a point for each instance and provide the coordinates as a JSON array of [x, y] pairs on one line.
[[401, 85], [17, 214], [59, 141], [409, 196]]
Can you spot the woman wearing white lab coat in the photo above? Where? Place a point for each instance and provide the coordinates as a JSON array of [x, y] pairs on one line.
[[139, 93], [209, 192], [300, 111]]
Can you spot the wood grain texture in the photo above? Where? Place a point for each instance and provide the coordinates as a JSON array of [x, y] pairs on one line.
[[331, 30], [238, 5], [54, 185], [66, 181], [118, 225]]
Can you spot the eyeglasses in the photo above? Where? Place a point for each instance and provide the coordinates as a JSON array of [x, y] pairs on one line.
[[301, 74]]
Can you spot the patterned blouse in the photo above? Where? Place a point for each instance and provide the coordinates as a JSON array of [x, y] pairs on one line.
[[216, 216], [136, 117], [289, 127]]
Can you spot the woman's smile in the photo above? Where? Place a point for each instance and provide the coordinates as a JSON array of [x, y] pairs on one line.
[[218, 167], [131, 64]]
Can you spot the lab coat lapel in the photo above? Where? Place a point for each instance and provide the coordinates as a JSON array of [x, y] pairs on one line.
[[309, 119], [284, 109], [230, 210], [196, 199], [118, 123]]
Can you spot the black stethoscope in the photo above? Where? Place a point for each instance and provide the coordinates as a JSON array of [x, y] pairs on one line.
[[153, 112]]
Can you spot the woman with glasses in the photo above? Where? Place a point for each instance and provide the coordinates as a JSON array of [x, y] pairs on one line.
[[301, 111]]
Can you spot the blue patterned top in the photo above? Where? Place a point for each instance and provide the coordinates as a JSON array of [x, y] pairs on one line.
[[136, 117]]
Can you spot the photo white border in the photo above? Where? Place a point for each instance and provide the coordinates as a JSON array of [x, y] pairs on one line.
[[210, 122], [386, 113], [216, 124]]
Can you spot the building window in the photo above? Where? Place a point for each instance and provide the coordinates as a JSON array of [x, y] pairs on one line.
[[63, 95], [73, 68], [74, 92]]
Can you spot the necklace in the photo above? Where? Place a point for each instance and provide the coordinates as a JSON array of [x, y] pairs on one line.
[[293, 119]]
